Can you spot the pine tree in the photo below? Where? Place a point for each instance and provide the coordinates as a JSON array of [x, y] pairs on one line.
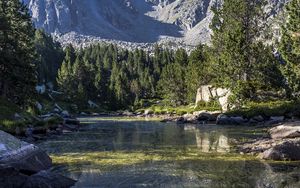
[[290, 46], [18, 71], [236, 57], [50, 56], [172, 84], [197, 72]]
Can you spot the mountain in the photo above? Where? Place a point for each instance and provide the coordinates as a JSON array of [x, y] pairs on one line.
[[129, 22]]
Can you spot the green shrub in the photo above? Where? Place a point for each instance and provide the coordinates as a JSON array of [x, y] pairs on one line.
[[267, 109], [10, 125], [181, 112], [212, 105], [39, 123], [8, 109], [55, 120]]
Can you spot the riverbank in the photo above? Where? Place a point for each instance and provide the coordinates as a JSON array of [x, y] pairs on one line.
[[281, 144]]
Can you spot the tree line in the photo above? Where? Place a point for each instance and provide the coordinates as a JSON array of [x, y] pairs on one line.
[[238, 58]]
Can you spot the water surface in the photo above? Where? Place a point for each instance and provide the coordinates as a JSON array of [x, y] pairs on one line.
[[110, 152]]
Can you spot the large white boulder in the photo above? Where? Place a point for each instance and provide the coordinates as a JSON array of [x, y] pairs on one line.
[[207, 92]]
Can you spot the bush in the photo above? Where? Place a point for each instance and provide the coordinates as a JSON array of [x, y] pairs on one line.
[[212, 105], [8, 109], [181, 112], [10, 126], [55, 120]]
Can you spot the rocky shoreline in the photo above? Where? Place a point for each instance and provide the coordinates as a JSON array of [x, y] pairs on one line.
[[283, 143], [26, 165]]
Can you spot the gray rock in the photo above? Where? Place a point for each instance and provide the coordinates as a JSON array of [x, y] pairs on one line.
[[127, 113], [190, 118], [180, 120], [83, 114], [258, 118], [222, 119], [10, 177], [288, 130], [48, 179], [21, 155], [206, 116], [289, 150], [148, 112], [275, 120], [207, 92], [65, 113], [238, 120]]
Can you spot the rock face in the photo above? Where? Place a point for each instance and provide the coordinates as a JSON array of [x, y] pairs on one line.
[[283, 144], [207, 93], [182, 22]]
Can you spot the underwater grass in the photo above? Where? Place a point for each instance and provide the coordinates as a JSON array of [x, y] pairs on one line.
[[113, 159]]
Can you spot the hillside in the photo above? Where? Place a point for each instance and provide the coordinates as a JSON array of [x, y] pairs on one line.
[[129, 23]]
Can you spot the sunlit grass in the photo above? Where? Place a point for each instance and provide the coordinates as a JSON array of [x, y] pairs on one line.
[[90, 120], [114, 159]]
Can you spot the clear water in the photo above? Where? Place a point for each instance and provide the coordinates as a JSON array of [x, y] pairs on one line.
[[117, 153]]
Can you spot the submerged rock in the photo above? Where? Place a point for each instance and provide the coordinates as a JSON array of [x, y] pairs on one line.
[[23, 165], [48, 179], [10, 177]]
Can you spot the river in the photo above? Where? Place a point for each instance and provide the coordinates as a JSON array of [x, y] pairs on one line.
[[109, 152]]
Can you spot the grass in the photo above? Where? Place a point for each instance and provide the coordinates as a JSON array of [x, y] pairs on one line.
[[113, 159], [89, 120], [267, 109], [160, 109]]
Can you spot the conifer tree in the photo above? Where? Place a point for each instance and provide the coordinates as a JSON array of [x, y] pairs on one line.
[[17, 68], [236, 57], [290, 46], [197, 72]]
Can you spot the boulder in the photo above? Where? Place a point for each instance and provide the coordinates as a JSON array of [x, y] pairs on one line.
[[92, 104], [223, 119], [237, 120], [288, 150], [65, 113], [10, 177], [21, 155], [48, 179], [206, 116], [208, 92], [190, 118], [258, 118], [127, 113], [39, 106], [275, 120], [148, 112], [288, 130], [180, 120], [83, 114]]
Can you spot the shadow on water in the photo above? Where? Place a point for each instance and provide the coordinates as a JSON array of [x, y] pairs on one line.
[[152, 154]]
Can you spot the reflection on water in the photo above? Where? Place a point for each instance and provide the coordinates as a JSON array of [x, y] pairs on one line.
[[152, 154]]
